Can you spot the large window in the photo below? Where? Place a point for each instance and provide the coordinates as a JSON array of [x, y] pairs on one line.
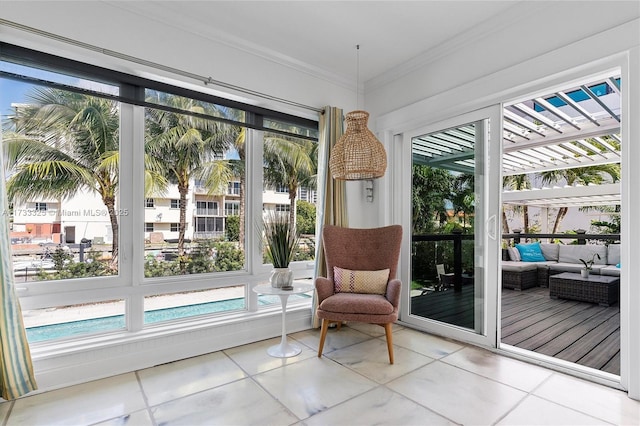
[[61, 155], [71, 217], [183, 150]]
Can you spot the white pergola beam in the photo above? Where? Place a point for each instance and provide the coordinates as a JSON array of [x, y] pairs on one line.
[[611, 191]]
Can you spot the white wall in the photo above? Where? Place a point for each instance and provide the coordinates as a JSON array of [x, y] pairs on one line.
[[547, 47], [531, 30], [544, 43], [112, 27], [534, 41]]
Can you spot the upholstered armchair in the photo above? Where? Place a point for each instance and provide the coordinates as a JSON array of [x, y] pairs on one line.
[[361, 283]]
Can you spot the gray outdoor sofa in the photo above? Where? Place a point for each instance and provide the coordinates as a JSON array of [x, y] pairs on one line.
[[520, 275]]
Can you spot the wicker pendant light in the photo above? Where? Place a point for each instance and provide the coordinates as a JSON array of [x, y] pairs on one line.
[[358, 155]]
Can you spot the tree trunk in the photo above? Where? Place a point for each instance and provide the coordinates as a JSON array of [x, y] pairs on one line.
[[113, 218], [562, 212], [183, 190], [241, 213], [525, 213], [505, 223], [292, 207]]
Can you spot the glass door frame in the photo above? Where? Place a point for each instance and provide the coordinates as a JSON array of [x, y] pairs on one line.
[[490, 199]]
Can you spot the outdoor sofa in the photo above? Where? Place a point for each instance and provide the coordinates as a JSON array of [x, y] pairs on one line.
[[520, 273]]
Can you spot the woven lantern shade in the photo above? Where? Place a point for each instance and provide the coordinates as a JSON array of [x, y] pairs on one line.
[[358, 155]]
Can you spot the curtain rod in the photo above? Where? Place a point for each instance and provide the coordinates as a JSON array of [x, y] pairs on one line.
[[205, 80]]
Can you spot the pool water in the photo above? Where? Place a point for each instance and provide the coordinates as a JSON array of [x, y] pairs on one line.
[[115, 322]]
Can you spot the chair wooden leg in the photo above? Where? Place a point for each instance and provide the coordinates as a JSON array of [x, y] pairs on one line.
[[323, 334], [388, 331]]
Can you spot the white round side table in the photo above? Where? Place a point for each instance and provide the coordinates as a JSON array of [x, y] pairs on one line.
[[284, 349]]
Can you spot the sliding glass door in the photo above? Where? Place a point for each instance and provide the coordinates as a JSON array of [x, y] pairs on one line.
[[452, 265]]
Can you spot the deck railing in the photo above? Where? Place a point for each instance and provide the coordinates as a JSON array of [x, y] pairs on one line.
[[457, 237], [580, 236]]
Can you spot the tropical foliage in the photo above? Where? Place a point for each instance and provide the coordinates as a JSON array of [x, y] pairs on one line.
[[440, 197], [290, 162], [306, 217], [65, 142], [184, 147], [61, 144], [597, 174]]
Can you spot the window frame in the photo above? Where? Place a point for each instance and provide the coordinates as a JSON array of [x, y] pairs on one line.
[[130, 284]]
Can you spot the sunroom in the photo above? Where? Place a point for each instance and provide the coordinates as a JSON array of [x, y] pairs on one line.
[[528, 94]]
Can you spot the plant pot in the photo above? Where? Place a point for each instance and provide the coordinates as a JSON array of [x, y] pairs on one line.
[[584, 273], [282, 278]]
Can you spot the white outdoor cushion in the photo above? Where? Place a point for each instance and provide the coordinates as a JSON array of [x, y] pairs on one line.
[[573, 254], [550, 251], [514, 254], [611, 270], [574, 267], [613, 255], [519, 266]]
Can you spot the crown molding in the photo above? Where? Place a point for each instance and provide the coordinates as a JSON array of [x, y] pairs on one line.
[[497, 23], [200, 29]]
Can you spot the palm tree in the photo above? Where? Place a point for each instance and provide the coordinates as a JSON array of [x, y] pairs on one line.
[[185, 147], [582, 175], [463, 196], [64, 142], [291, 163], [294, 160], [518, 183], [219, 173], [431, 188]]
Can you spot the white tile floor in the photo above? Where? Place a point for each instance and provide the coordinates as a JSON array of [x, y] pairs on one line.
[[434, 381]]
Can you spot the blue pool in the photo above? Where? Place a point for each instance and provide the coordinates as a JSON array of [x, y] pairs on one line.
[[97, 325]]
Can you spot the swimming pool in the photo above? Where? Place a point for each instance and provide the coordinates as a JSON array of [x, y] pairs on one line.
[[115, 322]]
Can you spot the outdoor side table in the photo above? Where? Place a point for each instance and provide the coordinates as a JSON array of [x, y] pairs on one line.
[[284, 349], [601, 289]]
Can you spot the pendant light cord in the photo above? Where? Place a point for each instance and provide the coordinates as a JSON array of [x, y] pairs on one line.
[[357, 76]]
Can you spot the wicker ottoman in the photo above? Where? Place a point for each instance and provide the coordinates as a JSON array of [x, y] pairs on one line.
[[601, 289], [519, 277]]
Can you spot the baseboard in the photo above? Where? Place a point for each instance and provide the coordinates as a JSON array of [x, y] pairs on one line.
[[63, 364]]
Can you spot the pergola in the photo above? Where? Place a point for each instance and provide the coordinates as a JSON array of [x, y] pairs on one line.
[[578, 126]]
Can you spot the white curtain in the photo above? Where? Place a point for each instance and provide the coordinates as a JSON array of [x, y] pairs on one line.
[[16, 369], [332, 203]]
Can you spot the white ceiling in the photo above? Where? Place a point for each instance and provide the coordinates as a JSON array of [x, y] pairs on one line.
[[321, 36]]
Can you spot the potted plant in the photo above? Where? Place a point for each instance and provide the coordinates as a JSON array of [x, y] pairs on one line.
[[588, 265], [280, 240]]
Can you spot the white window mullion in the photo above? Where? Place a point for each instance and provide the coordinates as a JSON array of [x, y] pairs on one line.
[[253, 207], [132, 228]]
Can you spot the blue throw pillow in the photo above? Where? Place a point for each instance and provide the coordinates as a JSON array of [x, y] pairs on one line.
[[530, 252]]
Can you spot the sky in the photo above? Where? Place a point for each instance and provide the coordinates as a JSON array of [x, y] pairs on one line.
[[11, 91]]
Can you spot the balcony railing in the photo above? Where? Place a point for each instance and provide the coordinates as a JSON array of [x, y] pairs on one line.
[[455, 256], [456, 238], [580, 236], [208, 235]]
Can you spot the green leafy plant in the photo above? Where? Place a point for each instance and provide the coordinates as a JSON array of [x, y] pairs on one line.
[[280, 239], [588, 264]]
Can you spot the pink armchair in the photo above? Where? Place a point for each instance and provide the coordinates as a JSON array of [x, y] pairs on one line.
[[358, 250]]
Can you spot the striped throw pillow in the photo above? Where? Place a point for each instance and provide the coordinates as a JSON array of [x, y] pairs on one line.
[[370, 282]]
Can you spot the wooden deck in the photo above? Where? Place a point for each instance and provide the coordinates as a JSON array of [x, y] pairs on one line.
[[583, 333], [446, 306]]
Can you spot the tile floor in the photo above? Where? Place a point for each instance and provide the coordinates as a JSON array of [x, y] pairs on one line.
[[433, 381]]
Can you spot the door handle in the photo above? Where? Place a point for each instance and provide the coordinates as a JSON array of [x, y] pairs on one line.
[[491, 227]]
